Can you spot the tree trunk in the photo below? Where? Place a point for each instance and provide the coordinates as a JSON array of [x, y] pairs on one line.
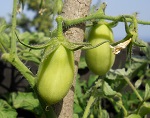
[[72, 9]]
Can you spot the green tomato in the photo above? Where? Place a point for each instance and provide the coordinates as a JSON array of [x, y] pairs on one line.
[[100, 59], [55, 75]]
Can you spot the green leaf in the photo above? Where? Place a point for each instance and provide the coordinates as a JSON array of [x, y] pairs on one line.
[[77, 108], [138, 83], [108, 91], [91, 116], [133, 116], [136, 69], [36, 47], [82, 63], [78, 88], [30, 55], [5, 40], [26, 101], [75, 116], [6, 111], [144, 109], [92, 80], [3, 25], [122, 72], [111, 75], [145, 49], [148, 73], [103, 114], [147, 92]]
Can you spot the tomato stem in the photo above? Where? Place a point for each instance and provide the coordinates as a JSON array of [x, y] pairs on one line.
[[15, 61], [87, 110], [69, 22], [133, 88], [13, 39], [59, 21]]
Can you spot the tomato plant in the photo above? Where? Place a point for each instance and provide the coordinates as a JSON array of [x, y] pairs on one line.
[[116, 93], [100, 59]]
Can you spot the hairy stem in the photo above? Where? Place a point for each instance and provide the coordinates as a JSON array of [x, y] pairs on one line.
[[59, 20], [15, 61], [13, 39], [133, 88], [87, 109], [100, 16]]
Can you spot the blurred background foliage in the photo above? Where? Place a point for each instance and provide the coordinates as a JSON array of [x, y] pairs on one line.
[[44, 13]]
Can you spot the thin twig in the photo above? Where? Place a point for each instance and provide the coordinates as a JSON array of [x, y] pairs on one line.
[[133, 88]]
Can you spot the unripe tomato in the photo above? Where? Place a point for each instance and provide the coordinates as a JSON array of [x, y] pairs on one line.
[[100, 59], [55, 75]]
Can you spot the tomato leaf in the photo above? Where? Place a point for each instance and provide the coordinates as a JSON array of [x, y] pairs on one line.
[[26, 101], [3, 25], [5, 40], [6, 111], [133, 116], [30, 55], [145, 49], [82, 63], [103, 114], [144, 109], [77, 108], [147, 92], [138, 83], [108, 91], [36, 47], [75, 116], [92, 79]]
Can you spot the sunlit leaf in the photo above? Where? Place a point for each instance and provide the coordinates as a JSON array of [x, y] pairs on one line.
[[75, 116], [138, 83], [108, 91], [3, 25], [82, 63], [6, 111], [133, 116], [147, 92], [144, 109], [91, 80], [26, 101], [103, 114]]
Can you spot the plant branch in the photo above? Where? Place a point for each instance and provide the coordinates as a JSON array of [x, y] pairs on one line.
[[15, 61], [2, 48], [133, 88], [100, 16], [87, 109], [13, 39], [59, 20]]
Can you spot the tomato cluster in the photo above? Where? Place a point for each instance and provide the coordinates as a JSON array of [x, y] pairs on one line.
[[56, 72]]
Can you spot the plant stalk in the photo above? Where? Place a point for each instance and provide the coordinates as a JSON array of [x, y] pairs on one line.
[[87, 109], [13, 39], [133, 88], [100, 16], [15, 61], [59, 20]]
